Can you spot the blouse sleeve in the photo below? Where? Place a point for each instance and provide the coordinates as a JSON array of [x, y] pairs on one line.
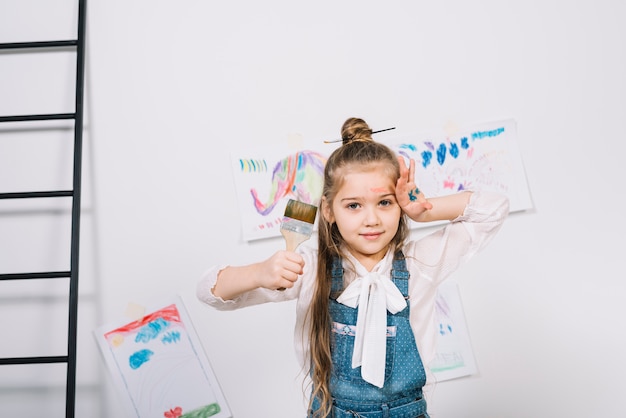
[[441, 253], [204, 288]]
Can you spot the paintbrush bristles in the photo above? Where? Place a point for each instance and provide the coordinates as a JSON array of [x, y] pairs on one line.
[[300, 211]]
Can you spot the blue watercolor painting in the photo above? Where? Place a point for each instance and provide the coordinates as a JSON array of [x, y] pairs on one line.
[[159, 367], [454, 356], [481, 157]]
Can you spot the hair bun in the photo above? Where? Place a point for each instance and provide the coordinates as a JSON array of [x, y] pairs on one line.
[[355, 129]]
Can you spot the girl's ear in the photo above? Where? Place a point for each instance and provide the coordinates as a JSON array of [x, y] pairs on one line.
[[326, 211]]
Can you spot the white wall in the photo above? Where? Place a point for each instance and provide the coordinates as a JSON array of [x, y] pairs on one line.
[[174, 86]]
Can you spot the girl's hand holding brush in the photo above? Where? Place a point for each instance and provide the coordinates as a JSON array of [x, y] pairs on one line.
[[280, 271]]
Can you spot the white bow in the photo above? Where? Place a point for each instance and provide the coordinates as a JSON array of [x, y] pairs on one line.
[[374, 295]]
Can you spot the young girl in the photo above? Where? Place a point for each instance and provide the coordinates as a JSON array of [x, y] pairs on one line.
[[365, 328]]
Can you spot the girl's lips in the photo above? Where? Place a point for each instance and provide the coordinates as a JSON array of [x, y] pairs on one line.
[[371, 235]]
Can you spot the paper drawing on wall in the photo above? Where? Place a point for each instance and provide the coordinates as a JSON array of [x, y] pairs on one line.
[[265, 182], [454, 357], [159, 367], [481, 157]]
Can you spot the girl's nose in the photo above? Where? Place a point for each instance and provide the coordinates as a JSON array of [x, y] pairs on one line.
[[371, 217]]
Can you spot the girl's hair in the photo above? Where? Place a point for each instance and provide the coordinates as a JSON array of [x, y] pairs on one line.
[[358, 152]]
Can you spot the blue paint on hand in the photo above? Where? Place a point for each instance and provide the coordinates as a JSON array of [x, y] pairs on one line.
[[413, 194]]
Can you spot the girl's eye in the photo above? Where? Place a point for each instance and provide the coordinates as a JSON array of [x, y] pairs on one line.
[[386, 202], [353, 206]]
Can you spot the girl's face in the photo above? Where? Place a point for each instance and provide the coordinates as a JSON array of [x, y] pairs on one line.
[[366, 213]]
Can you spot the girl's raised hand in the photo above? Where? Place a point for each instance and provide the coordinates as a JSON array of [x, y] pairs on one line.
[[409, 197]]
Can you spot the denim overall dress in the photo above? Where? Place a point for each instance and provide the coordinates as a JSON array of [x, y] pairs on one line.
[[401, 394]]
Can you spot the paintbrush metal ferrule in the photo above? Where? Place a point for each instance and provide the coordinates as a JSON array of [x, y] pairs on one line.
[[294, 225]]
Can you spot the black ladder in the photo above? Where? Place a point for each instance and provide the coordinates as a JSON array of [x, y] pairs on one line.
[[76, 45]]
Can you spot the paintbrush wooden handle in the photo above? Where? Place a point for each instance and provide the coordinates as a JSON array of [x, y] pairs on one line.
[[293, 239]]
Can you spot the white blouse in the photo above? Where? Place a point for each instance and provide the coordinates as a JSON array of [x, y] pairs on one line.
[[430, 260]]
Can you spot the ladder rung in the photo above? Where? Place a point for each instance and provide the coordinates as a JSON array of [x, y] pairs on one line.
[[41, 275], [28, 118], [35, 389], [34, 360], [32, 195], [45, 44]]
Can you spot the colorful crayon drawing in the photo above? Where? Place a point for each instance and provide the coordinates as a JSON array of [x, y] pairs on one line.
[[454, 357], [482, 157], [266, 183], [160, 368]]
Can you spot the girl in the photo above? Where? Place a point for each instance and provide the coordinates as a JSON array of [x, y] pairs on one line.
[[365, 327]]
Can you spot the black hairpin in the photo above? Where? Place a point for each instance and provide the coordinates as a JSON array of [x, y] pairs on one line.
[[373, 132]]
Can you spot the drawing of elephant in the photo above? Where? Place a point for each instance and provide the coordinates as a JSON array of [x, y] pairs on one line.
[[298, 176]]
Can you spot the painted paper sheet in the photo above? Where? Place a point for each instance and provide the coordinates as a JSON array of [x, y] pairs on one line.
[[265, 181], [159, 367], [483, 157], [480, 157], [454, 357]]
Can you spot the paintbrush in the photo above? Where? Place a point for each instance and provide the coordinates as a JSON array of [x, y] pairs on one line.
[[297, 224]]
